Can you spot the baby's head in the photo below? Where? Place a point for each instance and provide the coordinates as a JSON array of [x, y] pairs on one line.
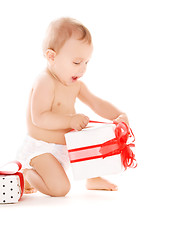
[[60, 30], [68, 48]]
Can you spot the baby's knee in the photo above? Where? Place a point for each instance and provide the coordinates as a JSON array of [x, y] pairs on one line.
[[60, 191]]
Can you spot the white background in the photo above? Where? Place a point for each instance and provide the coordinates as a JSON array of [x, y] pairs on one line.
[[134, 66]]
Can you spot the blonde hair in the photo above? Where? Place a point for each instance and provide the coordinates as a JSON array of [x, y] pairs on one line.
[[60, 30]]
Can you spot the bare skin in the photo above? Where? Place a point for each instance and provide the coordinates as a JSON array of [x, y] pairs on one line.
[[27, 187], [53, 182], [100, 184], [51, 114]]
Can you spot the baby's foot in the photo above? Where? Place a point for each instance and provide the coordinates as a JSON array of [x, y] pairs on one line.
[[27, 187], [100, 184]]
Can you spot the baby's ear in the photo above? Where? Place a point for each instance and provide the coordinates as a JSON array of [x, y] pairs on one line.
[[50, 55]]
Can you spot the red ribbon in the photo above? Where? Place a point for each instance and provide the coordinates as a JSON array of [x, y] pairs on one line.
[[115, 146], [19, 165], [119, 145]]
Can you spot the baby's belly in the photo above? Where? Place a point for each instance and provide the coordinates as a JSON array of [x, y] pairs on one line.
[[51, 136]]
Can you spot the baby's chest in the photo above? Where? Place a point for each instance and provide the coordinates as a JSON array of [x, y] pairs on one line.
[[64, 100]]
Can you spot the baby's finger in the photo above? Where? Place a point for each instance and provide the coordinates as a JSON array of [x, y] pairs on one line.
[[83, 125], [86, 120], [79, 128]]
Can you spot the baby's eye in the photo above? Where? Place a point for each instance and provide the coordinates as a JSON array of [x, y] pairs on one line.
[[77, 63]]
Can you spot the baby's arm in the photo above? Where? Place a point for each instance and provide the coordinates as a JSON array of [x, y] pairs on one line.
[[101, 107], [41, 109]]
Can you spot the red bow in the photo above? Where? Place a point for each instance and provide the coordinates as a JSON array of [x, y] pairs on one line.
[[16, 166], [119, 145]]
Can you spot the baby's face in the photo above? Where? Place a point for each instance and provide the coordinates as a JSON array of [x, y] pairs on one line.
[[71, 61]]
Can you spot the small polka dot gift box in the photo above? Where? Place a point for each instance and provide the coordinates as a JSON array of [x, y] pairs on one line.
[[11, 183], [101, 149]]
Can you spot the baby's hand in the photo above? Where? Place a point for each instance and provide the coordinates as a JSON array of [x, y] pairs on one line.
[[79, 121], [122, 118]]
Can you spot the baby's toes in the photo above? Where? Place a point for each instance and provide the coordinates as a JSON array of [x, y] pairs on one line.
[[29, 191], [114, 187]]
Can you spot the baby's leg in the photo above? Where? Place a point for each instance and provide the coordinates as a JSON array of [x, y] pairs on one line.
[[48, 176], [99, 183]]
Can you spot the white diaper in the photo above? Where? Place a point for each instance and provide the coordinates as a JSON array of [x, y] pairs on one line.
[[32, 148]]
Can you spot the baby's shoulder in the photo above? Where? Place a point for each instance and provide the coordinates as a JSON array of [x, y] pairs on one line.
[[43, 80]]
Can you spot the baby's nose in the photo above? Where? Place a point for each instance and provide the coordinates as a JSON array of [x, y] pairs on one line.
[[83, 69]]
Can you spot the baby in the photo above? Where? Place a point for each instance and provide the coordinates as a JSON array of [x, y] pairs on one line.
[[51, 113]]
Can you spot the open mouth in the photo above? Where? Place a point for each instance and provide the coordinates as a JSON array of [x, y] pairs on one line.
[[74, 78]]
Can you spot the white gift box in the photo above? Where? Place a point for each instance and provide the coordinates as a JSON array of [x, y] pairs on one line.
[[84, 148], [11, 182], [10, 190]]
